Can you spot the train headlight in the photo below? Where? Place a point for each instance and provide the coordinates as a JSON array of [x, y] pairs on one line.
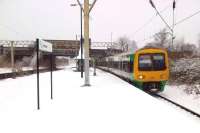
[[141, 77]]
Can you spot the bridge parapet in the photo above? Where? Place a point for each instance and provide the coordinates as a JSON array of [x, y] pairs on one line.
[[102, 45], [27, 48], [26, 43], [103, 49], [60, 48]]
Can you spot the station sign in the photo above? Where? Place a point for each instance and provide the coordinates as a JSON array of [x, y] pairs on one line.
[[45, 46]]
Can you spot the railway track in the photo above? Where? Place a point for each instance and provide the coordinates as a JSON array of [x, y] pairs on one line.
[[176, 104], [159, 96]]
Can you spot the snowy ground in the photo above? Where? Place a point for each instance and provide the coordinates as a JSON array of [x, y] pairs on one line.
[[177, 94], [110, 105]]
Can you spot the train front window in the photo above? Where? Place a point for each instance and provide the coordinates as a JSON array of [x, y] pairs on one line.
[[145, 62], [158, 62], [151, 62]]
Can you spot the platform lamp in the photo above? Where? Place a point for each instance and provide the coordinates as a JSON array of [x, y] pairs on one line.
[[81, 40]]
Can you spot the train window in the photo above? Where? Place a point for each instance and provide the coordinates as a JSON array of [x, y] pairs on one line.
[[151, 62], [125, 66], [158, 62], [145, 62], [116, 65], [121, 65]]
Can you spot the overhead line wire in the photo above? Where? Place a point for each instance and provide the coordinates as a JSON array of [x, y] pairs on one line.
[[150, 20], [186, 18], [177, 23]]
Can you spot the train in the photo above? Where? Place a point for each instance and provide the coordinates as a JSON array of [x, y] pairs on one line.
[[146, 68]]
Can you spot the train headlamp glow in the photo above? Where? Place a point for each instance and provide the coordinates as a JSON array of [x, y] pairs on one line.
[[140, 76]]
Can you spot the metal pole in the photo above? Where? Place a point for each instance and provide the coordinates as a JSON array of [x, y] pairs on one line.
[[172, 32], [110, 52], [38, 86], [94, 65], [51, 61], [174, 6], [81, 44], [111, 38], [86, 42], [12, 56]]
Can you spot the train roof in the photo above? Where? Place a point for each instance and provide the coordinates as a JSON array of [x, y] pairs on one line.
[[151, 49], [124, 54], [139, 50], [146, 48]]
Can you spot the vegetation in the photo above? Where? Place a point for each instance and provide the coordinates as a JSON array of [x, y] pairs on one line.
[[125, 44]]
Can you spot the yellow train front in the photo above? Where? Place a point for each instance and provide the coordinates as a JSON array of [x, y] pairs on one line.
[[147, 69], [151, 69]]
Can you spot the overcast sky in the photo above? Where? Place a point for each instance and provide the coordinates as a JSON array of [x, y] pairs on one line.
[[55, 19]]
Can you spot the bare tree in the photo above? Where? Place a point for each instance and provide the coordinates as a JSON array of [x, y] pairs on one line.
[[161, 38], [178, 44], [123, 43], [188, 47], [182, 46], [132, 46], [183, 49]]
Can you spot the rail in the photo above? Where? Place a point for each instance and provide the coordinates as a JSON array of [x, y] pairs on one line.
[[178, 105]]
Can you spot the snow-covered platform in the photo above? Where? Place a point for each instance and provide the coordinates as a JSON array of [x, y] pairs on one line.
[[110, 105]]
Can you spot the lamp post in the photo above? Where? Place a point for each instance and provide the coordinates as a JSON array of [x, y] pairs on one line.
[[86, 11], [12, 56], [174, 6], [81, 40]]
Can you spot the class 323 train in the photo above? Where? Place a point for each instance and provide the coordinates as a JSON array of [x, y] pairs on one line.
[[147, 68]]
